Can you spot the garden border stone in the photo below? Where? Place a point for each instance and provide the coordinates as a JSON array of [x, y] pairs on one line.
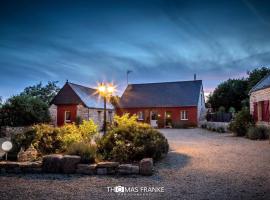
[[57, 163]]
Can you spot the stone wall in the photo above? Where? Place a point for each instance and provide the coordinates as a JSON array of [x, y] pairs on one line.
[[257, 96], [8, 131], [53, 114], [70, 164], [97, 115]]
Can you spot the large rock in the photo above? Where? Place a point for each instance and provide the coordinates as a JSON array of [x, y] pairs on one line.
[[102, 171], [146, 166], [69, 163], [108, 164], [31, 167], [128, 169], [52, 163], [86, 169], [29, 154]]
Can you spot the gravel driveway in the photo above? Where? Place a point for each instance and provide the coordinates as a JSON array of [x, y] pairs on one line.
[[200, 165]]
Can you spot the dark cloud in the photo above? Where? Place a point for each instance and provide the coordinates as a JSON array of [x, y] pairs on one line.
[[90, 41]]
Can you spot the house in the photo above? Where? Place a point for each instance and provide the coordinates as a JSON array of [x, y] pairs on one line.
[[75, 103], [259, 101], [166, 104]]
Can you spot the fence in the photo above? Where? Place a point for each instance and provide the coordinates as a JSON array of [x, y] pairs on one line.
[[219, 117]]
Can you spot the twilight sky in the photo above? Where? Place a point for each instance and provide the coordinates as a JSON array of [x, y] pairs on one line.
[[159, 40]]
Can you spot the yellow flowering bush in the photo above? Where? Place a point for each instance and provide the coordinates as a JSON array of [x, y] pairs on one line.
[[49, 139]]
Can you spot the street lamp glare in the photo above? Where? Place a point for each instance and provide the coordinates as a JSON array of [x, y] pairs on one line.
[[101, 88], [110, 89]]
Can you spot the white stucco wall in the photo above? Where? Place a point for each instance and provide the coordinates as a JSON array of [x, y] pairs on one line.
[[201, 106]]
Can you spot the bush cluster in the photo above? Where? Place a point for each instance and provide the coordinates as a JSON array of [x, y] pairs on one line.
[[241, 123], [258, 133], [48, 139], [129, 140], [183, 124], [87, 151]]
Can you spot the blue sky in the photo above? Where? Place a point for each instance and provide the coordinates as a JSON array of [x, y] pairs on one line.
[[90, 41]]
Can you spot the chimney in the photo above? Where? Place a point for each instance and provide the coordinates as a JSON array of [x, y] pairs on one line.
[[194, 77]]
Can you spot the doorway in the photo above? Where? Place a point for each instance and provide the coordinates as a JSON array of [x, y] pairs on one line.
[[168, 119]]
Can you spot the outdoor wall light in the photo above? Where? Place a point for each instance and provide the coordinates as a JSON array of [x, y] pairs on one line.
[[6, 146]]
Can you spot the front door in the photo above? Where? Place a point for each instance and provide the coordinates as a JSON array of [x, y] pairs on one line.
[[153, 119], [168, 119]]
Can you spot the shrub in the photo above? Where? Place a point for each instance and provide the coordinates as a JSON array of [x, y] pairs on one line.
[[242, 121], [183, 124], [87, 151], [129, 140], [47, 139], [221, 129], [204, 126], [258, 133], [19, 141]]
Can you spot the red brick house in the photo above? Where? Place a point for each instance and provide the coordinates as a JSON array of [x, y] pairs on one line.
[[74, 102], [259, 101], [167, 104]]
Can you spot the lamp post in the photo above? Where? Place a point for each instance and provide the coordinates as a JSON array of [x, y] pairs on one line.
[[105, 91]]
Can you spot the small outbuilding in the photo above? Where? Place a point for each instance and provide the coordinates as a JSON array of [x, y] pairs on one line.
[[259, 101], [165, 104], [75, 103]]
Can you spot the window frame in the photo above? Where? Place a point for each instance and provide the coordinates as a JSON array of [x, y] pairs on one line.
[[67, 120], [183, 115]]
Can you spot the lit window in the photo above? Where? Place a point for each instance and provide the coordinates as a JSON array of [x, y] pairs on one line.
[[140, 115], [184, 115], [67, 116]]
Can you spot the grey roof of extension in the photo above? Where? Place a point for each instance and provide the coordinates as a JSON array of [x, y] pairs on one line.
[[79, 94], [166, 94], [262, 84]]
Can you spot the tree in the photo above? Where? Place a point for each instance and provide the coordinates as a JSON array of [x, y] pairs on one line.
[[45, 93], [256, 75], [234, 92], [229, 93], [24, 110]]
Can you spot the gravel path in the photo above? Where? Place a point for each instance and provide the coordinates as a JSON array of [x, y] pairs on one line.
[[200, 165]]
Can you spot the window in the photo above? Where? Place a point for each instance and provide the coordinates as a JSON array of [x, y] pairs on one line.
[[184, 115], [67, 116], [140, 115]]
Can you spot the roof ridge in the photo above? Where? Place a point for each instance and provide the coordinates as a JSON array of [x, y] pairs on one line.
[[165, 82], [80, 85], [265, 77]]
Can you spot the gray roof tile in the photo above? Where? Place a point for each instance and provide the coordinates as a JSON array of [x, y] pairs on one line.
[[166, 94], [262, 84]]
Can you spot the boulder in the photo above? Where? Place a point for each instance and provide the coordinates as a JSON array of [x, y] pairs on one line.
[[126, 169], [107, 164], [146, 166], [69, 163], [29, 154], [52, 163], [101, 171], [31, 167], [86, 169]]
